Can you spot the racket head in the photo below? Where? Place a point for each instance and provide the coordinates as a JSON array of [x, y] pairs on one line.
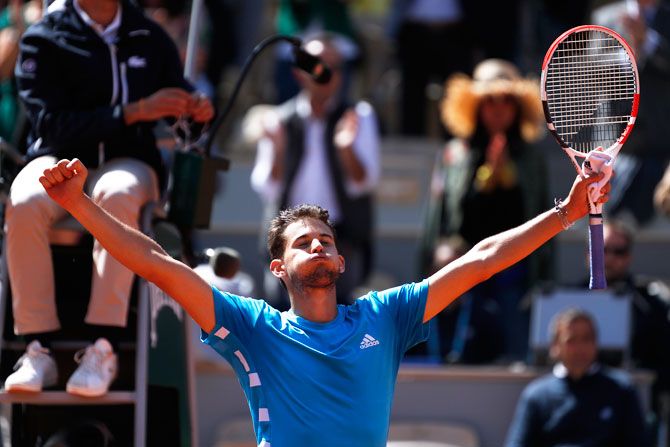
[[590, 90]]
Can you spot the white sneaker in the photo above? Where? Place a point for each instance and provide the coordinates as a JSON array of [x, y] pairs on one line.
[[33, 371], [96, 371]]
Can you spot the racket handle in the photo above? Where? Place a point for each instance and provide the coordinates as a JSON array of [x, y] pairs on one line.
[[597, 252]]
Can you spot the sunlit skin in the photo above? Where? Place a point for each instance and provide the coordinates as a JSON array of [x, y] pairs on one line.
[[309, 268], [575, 347]]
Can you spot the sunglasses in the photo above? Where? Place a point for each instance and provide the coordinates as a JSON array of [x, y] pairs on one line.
[[617, 251]]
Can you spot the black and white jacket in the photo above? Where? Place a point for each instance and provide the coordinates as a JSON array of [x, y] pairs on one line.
[[74, 85]]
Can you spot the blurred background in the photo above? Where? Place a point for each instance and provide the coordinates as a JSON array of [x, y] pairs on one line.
[[397, 56]]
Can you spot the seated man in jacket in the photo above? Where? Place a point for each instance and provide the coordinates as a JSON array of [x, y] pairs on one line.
[[580, 403], [95, 77]]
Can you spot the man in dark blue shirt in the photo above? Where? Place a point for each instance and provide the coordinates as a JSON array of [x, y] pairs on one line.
[[581, 403]]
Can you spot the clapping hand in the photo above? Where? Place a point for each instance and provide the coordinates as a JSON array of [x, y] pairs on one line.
[[346, 130]]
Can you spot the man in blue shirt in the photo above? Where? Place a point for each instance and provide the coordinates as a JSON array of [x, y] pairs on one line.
[[318, 374], [581, 403]]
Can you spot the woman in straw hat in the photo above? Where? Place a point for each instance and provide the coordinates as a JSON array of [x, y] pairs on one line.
[[490, 178]]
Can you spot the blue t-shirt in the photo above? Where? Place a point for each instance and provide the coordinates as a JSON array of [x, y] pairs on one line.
[[326, 384]]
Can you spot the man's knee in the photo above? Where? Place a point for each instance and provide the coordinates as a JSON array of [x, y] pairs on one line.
[[123, 191], [122, 204], [29, 210]]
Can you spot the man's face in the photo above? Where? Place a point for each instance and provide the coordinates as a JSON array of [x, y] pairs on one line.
[[617, 254], [575, 346], [310, 258]]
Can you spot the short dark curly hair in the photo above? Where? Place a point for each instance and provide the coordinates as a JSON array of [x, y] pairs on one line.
[[276, 238]]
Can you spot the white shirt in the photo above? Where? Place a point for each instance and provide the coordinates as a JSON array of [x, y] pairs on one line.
[[108, 34], [312, 183]]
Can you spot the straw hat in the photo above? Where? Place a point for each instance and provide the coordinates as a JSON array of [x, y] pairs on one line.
[[462, 96]]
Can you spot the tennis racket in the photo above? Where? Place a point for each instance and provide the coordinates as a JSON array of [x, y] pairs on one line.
[[590, 91]]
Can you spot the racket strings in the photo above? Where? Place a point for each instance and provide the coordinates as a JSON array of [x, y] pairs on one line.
[[590, 86]]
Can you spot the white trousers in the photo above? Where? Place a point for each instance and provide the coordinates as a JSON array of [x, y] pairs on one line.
[[122, 187]]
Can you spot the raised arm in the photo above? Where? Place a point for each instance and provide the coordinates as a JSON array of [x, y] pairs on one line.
[[64, 184], [502, 250]]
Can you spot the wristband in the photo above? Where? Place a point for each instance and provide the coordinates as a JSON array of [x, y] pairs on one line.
[[562, 214]]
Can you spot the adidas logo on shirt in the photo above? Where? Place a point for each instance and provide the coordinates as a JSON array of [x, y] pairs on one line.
[[368, 341]]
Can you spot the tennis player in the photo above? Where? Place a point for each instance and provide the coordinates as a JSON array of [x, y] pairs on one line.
[[318, 374]]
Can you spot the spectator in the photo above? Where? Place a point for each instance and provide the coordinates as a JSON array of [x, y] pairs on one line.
[[94, 77], [581, 403], [304, 18], [646, 26], [319, 368], [433, 42], [650, 306], [319, 149], [488, 179]]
